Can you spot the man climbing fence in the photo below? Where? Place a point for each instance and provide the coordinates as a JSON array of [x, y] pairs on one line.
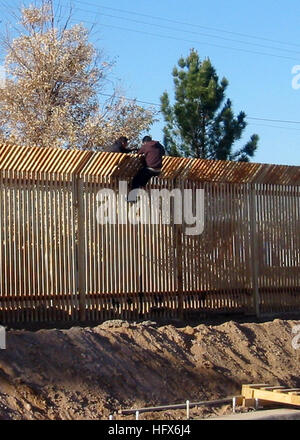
[[153, 153]]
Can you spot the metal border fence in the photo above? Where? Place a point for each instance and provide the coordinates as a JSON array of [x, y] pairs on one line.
[[57, 264]]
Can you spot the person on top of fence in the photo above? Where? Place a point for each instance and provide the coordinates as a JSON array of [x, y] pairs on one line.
[[153, 153], [119, 146]]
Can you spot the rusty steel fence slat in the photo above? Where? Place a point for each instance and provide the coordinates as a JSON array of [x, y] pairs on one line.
[[59, 264]]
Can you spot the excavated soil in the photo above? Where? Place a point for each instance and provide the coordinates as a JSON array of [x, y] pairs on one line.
[[89, 373]]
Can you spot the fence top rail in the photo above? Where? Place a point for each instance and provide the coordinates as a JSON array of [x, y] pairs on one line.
[[94, 166], [40, 160]]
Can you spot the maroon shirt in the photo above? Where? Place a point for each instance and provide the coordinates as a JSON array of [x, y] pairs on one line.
[[153, 153]]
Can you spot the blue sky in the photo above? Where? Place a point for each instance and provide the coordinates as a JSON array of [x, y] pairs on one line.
[[253, 44]]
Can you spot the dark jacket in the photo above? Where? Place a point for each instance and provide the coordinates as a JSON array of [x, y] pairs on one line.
[[117, 147], [153, 153]]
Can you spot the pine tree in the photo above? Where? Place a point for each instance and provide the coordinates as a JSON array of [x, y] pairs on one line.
[[200, 124]]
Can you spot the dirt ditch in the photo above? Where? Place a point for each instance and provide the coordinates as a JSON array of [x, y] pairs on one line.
[[89, 373]]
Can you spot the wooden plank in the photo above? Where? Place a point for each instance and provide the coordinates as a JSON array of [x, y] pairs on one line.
[[288, 390], [273, 388], [248, 389], [255, 385], [278, 397]]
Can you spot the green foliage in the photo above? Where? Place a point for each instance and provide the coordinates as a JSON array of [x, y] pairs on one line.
[[200, 124]]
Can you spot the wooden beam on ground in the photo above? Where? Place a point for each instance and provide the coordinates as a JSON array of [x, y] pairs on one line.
[[276, 394]]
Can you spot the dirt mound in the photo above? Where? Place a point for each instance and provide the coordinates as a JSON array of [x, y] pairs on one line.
[[88, 373]]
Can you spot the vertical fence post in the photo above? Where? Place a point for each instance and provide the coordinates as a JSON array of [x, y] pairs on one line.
[[178, 241], [80, 248], [178, 229], [254, 251]]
